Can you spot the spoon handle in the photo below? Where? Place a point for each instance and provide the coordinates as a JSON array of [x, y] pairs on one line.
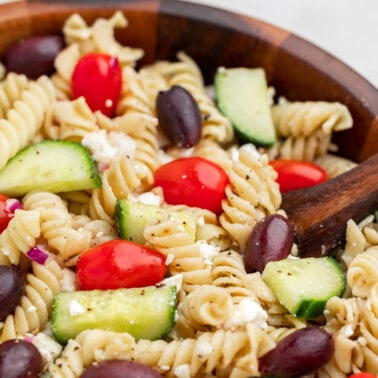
[[320, 213]]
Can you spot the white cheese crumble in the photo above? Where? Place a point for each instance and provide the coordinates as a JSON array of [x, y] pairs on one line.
[[68, 281], [75, 308], [247, 311], [175, 280], [105, 147], [99, 146], [49, 348], [147, 198], [207, 251], [182, 371]]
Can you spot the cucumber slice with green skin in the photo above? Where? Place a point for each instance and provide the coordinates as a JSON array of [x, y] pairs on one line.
[[51, 165], [146, 313], [243, 97], [131, 218], [305, 285]]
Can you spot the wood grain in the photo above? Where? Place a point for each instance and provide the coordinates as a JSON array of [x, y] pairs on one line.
[[320, 213]]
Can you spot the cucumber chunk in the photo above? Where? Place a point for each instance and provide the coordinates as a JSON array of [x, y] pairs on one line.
[[305, 285], [131, 218], [146, 313], [51, 165], [243, 97]]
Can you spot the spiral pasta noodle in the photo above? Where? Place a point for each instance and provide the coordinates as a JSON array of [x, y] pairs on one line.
[[252, 194], [304, 118], [208, 228], [362, 272], [229, 353], [20, 236], [32, 314], [57, 226], [206, 307], [335, 165], [11, 88], [369, 327], [70, 120], [169, 237], [306, 148], [100, 37], [25, 118]]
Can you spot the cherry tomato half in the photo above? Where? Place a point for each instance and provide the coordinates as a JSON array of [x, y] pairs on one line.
[[193, 181], [5, 216], [363, 375], [98, 78], [296, 174], [119, 264]]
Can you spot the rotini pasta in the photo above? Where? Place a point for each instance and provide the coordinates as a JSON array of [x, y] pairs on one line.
[[20, 236], [34, 310], [25, 117], [11, 88], [252, 194]]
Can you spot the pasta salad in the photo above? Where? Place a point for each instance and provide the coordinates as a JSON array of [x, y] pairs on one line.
[[141, 228]]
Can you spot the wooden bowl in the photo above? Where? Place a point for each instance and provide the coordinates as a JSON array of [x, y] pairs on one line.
[[296, 68]]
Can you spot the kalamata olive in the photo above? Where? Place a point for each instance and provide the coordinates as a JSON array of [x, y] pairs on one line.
[[34, 56], [179, 116], [270, 240], [11, 289], [120, 369], [20, 359], [299, 353]]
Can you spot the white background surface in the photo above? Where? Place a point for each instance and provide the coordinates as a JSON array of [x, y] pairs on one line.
[[348, 29]]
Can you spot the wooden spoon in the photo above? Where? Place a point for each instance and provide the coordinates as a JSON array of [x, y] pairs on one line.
[[320, 213]]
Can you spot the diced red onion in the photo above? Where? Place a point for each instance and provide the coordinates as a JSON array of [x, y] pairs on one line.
[[38, 255], [102, 166], [12, 204], [29, 337]]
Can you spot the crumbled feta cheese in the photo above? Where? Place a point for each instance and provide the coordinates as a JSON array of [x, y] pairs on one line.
[[105, 147], [124, 144], [148, 198], [99, 146], [49, 348], [75, 308], [68, 281], [182, 371], [247, 311], [175, 280], [207, 251]]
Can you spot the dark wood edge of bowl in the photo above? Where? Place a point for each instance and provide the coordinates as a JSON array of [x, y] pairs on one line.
[[295, 67]]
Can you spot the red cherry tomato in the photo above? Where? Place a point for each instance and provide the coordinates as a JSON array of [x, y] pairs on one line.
[[119, 264], [5, 216], [193, 181], [363, 375], [296, 174], [98, 78]]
